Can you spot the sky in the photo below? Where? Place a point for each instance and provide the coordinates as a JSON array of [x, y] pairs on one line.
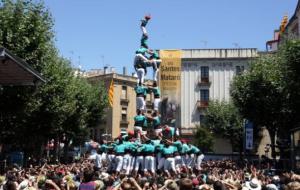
[[95, 33]]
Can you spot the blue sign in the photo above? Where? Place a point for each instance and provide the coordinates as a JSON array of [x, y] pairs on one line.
[[248, 135]]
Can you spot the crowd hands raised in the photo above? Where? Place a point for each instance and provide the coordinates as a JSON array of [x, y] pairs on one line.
[[143, 163], [84, 175]]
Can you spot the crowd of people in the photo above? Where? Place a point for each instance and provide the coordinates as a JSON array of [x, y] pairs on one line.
[[84, 175]]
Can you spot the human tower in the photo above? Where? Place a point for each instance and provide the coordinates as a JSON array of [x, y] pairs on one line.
[[151, 146]]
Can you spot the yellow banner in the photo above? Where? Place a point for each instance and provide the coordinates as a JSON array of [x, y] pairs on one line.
[[170, 74]]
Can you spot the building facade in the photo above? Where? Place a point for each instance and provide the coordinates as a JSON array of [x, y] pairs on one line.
[[120, 117], [207, 75], [292, 29]]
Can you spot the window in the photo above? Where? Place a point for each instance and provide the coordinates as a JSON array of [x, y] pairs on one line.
[[204, 74], [204, 95], [239, 70], [124, 92], [124, 114], [201, 118]]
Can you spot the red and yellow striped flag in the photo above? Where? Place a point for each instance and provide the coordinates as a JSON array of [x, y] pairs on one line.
[[111, 93]]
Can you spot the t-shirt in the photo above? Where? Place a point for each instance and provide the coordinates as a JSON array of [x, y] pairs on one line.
[[103, 148], [185, 148], [156, 91], [141, 90], [194, 150], [178, 145], [148, 148], [141, 50], [168, 150], [156, 122], [140, 121], [120, 148], [155, 142]]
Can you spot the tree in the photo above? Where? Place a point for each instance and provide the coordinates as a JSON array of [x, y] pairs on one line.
[[268, 94], [65, 106], [204, 139], [289, 56], [223, 119]]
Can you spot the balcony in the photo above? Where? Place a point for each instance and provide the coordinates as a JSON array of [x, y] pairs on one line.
[[124, 122], [202, 104], [124, 102], [204, 81]]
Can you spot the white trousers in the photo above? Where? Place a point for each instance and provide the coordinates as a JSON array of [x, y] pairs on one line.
[[191, 161], [149, 164], [178, 161], [138, 129], [140, 103], [144, 30], [158, 131], [155, 74], [119, 163], [104, 157], [161, 163], [169, 165], [199, 161], [139, 162], [132, 163], [141, 75], [126, 163], [111, 162], [156, 104]]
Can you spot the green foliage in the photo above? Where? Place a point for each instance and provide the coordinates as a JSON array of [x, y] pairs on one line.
[[204, 139], [223, 119], [268, 94], [26, 30], [257, 93], [64, 104]]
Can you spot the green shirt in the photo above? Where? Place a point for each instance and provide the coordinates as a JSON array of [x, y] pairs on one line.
[[156, 122], [141, 90], [120, 148], [148, 148], [168, 150], [194, 150], [156, 91], [104, 148], [140, 121], [141, 51], [178, 145], [185, 148], [155, 142]]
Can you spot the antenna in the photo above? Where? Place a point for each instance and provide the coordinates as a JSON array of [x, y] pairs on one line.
[[236, 45], [79, 63], [204, 43]]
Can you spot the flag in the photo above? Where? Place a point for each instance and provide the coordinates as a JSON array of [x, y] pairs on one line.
[[111, 93]]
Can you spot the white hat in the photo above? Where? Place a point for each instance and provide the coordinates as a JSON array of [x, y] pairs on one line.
[[23, 185], [253, 184], [271, 187]]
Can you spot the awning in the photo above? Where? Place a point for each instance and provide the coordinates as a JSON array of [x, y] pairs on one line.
[[16, 72]]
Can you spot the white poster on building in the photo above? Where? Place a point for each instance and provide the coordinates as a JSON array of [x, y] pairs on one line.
[[248, 135]]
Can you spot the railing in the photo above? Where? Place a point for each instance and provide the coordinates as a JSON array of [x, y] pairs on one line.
[[202, 104], [204, 81], [124, 122]]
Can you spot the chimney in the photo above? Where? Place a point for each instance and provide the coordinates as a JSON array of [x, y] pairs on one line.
[[105, 69], [124, 71]]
